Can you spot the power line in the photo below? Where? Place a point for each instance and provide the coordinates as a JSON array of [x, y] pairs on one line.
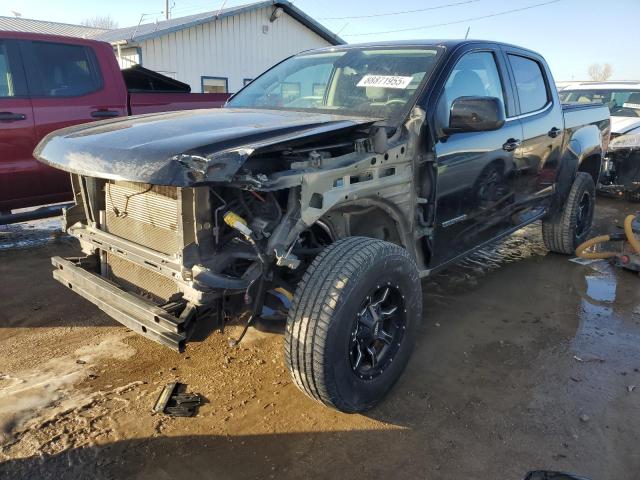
[[401, 12], [506, 12]]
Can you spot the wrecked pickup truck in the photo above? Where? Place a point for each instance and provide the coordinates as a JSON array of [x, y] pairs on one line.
[[321, 195]]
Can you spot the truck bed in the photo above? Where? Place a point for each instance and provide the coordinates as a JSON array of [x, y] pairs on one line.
[[153, 102], [579, 114]]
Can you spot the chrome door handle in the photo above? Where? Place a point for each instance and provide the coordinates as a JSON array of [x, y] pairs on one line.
[[511, 144]]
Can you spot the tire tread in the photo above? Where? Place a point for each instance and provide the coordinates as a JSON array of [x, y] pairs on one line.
[[314, 305]]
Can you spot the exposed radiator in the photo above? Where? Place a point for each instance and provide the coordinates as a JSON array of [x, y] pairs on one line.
[[149, 216], [144, 214], [140, 280]]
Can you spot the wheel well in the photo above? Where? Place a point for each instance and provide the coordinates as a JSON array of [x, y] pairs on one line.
[[369, 221], [592, 165]]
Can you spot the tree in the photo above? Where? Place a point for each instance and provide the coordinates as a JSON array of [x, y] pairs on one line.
[[99, 21], [600, 73]]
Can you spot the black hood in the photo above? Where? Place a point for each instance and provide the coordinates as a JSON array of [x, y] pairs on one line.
[[182, 148]]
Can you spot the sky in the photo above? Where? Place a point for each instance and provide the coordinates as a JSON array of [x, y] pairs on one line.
[[570, 34]]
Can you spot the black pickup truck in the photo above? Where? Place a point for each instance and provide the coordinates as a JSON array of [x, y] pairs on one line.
[[321, 195]]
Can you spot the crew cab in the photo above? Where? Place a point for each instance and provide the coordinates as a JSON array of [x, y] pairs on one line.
[[48, 82], [322, 209]]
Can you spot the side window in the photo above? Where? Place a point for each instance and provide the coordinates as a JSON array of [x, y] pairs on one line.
[[530, 84], [65, 70], [11, 81], [475, 74]]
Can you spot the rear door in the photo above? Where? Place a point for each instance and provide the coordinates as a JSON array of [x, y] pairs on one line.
[[67, 87], [17, 136], [540, 113], [475, 169]]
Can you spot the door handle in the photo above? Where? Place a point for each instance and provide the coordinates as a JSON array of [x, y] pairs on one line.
[[11, 117], [554, 132], [511, 144], [104, 113]]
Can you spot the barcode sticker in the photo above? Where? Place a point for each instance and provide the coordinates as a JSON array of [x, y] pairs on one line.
[[385, 81]]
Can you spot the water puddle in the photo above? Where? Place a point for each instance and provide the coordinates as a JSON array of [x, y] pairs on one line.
[[521, 245], [601, 288]]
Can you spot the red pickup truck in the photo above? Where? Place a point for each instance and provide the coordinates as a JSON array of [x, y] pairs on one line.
[[48, 82]]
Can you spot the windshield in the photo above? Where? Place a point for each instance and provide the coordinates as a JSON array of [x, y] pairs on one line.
[[621, 103], [374, 82]]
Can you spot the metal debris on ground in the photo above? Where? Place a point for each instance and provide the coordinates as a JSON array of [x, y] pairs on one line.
[[586, 261], [549, 475], [175, 403], [588, 359]]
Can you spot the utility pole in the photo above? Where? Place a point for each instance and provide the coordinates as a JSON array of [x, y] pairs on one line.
[[166, 9]]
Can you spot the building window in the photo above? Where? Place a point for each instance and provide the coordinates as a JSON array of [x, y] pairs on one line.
[[318, 89], [247, 81], [215, 85], [290, 91]]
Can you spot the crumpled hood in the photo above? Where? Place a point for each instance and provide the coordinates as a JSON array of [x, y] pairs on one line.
[[181, 148]]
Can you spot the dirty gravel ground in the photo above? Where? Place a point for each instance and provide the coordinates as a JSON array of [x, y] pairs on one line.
[[525, 360]]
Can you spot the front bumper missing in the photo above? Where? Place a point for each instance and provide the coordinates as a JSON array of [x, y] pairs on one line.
[[133, 312]]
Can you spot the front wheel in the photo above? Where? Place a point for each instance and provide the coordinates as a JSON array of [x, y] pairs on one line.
[[352, 322], [568, 228]]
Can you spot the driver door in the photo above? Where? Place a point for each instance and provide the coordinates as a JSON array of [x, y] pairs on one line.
[[474, 169]]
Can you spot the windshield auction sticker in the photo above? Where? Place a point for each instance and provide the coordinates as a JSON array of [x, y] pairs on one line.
[[385, 81]]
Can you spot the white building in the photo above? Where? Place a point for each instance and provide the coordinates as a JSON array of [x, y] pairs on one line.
[[220, 51]]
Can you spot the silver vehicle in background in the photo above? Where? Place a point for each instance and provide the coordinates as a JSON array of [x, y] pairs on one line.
[[621, 169]]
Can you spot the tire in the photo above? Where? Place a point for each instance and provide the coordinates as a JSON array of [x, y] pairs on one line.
[[332, 317], [569, 227]]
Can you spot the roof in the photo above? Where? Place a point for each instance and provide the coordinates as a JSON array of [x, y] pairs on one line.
[[624, 85], [153, 30], [449, 44], [13, 24]]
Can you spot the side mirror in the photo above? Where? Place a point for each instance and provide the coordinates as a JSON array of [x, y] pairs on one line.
[[475, 114]]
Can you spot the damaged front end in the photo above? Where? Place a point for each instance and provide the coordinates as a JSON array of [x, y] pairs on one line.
[[222, 231], [621, 169]]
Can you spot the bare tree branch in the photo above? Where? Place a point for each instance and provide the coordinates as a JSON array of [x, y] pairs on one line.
[[600, 73], [99, 21]]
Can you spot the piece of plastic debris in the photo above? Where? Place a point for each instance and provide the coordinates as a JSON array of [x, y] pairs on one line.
[[588, 359], [631, 388], [584, 417], [175, 403], [585, 261]]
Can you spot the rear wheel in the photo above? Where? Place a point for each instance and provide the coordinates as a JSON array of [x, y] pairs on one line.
[[569, 227], [352, 322]]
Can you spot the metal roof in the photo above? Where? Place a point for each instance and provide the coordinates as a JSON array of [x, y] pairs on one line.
[[12, 24], [153, 30]]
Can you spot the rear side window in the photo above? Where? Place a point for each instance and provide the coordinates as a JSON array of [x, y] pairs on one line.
[[530, 84], [11, 80], [65, 70]]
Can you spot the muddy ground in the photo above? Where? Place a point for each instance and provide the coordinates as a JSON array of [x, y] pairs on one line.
[[525, 361]]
